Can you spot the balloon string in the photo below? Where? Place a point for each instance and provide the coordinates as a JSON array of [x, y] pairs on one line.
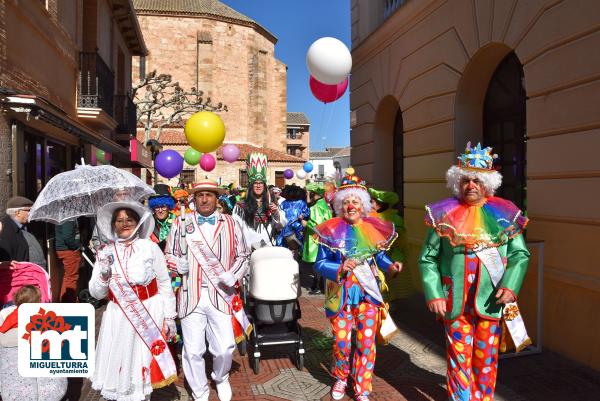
[[321, 123], [330, 117]]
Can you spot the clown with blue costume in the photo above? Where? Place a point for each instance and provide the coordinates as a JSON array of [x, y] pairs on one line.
[[352, 250]]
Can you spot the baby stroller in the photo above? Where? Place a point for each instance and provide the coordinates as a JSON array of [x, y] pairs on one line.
[[14, 386], [23, 273], [271, 299]]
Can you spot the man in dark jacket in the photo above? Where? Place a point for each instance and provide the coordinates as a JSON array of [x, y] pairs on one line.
[[13, 245], [68, 250]]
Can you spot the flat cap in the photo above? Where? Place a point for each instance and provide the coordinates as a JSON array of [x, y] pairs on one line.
[[17, 202]]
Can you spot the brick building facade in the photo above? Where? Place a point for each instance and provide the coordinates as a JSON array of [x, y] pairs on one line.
[[65, 77], [228, 56]]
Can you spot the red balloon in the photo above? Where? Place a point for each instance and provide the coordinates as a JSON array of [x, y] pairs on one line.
[[327, 93]]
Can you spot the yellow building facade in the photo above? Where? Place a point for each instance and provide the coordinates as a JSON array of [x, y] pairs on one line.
[[521, 76]]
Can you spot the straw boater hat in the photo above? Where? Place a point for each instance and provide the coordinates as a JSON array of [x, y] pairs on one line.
[[207, 185]]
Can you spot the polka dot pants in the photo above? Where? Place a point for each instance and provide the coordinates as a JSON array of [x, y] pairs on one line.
[[471, 347], [364, 316]]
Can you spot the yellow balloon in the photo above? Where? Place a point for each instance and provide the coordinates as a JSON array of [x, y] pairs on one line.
[[204, 131]]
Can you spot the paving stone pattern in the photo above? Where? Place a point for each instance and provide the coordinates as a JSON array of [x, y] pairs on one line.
[[411, 367]]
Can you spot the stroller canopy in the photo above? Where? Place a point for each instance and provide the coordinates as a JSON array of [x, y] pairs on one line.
[[24, 273]]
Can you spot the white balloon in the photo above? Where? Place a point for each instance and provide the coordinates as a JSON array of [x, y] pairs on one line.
[[301, 174], [329, 60]]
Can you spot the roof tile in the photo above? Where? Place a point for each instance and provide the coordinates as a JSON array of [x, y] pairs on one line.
[[213, 8], [297, 118], [175, 137]]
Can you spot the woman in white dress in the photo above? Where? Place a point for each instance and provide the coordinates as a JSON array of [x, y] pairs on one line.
[[131, 356]]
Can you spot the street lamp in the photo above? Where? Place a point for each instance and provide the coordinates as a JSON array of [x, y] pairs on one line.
[[155, 147]]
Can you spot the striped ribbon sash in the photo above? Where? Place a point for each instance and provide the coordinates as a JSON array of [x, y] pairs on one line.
[[162, 367], [491, 259], [213, 269]]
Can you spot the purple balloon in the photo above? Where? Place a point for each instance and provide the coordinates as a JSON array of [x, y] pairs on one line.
[[289, 174], [231, 153], [168, 163]]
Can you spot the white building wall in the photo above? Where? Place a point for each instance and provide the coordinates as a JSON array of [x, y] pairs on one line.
[[327, 167]]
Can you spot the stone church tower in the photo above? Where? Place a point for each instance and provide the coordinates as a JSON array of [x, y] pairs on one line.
[[230, 57]]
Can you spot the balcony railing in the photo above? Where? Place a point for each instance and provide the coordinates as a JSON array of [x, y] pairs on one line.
[[293, 135], [125, 115], [96, 84], [391, 6]]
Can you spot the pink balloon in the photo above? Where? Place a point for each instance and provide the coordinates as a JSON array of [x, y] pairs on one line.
[[231, 153], [208, 162], [327, 93]]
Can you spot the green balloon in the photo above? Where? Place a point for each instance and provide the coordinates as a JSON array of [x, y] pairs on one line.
[[192, 156]]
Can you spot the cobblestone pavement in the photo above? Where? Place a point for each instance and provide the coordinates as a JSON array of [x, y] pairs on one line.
[[411, 367]]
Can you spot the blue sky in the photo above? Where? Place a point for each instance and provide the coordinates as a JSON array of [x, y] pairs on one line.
[[297, 24]]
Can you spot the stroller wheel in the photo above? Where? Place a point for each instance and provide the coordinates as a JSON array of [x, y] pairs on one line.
[[299, 360], [255, 365], [243, 347]]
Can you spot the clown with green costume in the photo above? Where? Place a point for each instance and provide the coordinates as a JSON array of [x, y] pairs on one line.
[[320, 212], [472, 266], [382, 202]]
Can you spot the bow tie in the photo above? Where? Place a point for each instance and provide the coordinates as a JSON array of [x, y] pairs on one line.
[[210, 220]]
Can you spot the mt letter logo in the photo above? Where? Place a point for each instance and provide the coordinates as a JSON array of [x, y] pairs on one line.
[[56, 340]]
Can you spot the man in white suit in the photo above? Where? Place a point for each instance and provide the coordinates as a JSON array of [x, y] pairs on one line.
[[209, 250]]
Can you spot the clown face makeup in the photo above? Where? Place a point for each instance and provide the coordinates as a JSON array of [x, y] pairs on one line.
[[352, 209]]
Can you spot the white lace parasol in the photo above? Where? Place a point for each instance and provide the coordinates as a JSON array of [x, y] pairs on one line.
[[84, 190]]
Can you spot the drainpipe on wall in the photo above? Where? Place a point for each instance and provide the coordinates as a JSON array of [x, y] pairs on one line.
[[14, 159]]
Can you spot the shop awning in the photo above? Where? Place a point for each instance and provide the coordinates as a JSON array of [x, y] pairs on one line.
[[40, 109]]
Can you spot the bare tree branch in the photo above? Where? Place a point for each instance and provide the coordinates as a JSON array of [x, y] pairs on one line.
[[161, 103]]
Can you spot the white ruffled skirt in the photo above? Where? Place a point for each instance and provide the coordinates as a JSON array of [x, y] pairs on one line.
[[122, 359]]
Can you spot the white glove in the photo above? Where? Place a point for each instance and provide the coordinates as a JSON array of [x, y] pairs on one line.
[[171, 328], [105, 269], [183, 267], [227, 279]]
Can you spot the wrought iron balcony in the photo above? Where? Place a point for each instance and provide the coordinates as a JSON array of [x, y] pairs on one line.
[[391, 6], [125, 115], [96, 84]]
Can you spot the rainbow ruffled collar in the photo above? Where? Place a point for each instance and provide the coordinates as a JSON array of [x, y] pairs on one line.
[[490, 224], [356, 241]]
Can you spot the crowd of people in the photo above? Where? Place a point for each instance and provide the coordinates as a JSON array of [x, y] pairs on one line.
[[177, 263]]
